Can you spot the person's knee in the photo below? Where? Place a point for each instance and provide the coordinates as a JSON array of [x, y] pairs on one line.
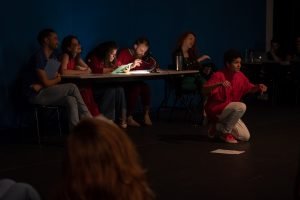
[[72, 87], [241, 107], [245, 137], [71, 101]]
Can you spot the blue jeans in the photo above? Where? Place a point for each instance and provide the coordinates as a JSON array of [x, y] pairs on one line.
[[112, 102], [66, 95]]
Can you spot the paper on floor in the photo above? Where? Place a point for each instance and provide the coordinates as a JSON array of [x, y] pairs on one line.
[[226, 151]]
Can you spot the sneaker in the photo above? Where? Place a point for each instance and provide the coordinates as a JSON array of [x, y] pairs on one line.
[[212, 131], [132, 122], [228, 138], [147, 120]]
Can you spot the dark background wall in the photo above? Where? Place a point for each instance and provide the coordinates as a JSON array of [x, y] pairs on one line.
[[219, 25], [286, 26]]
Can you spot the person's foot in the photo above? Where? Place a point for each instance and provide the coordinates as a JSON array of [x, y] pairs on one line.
[[123, 124], [147, 120], [132, 122], [228, 138], [212, 131]]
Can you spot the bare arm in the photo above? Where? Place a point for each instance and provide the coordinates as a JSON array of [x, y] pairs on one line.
[[84, 67], [202, 58], [107, 70]]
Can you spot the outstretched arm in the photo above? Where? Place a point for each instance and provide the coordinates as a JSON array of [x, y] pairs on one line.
[[259, 88], [203, 58]]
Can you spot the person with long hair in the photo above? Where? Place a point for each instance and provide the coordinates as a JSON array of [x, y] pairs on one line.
[[73, 64], [192, 60], [138, 54], [101, 162], [111, 97]]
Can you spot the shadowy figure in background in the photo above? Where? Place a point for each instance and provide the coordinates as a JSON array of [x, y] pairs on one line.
[[102, 163], [279, 53], [274, 53], [224, 108]]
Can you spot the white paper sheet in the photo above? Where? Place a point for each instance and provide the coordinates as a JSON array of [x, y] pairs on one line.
[[227, 151]]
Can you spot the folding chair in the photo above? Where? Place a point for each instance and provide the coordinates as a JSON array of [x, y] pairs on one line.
[[37, 111]]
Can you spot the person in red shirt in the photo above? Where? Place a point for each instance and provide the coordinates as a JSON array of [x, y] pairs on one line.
[[111, 97], [224, 108], [139, 53], [72, 63]]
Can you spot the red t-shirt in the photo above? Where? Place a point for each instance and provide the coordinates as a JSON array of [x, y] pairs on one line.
[[127, 56], [220, 97]]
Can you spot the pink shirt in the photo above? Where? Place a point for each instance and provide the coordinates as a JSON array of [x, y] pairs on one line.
[[220, 97]]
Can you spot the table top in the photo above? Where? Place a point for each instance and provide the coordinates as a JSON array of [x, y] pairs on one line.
[[134, 74]]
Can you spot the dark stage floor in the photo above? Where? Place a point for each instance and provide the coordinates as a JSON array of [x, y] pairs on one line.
[[178, 159]]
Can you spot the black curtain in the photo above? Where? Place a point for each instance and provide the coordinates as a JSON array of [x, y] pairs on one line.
[[286, 21]]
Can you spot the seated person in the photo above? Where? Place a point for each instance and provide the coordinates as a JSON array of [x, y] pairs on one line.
[[274, 53], [186, 47], [224, 108], [279, 53], [142, 60], [42, 89], [72, 63], [111, 97], [101, 162]]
